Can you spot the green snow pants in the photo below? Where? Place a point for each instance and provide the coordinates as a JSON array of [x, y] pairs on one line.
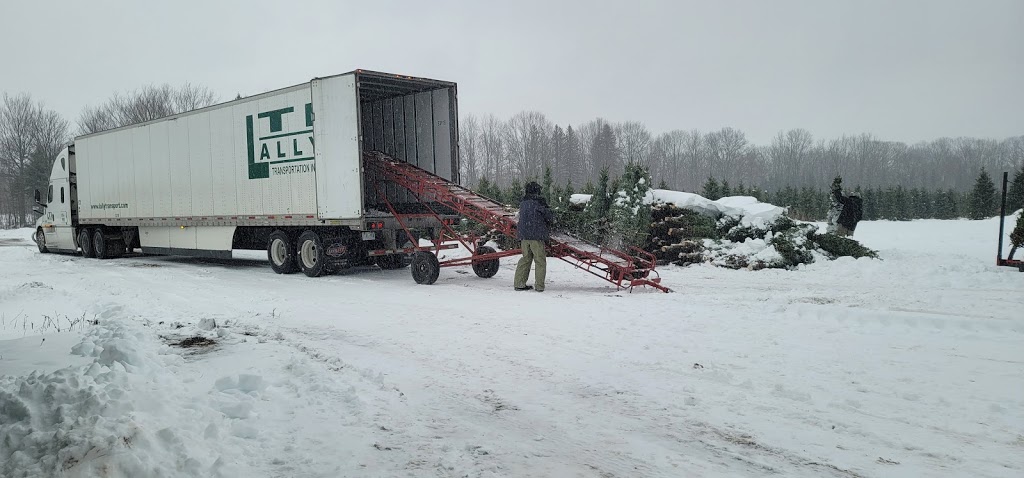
[[533, 251]]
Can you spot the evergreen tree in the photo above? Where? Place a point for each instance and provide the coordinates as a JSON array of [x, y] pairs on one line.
[[983, 197], [740, 190], [630, 217], [596, 212], [600, 203], [870, 204], [901, 204], [711, 190], [725, 190], [483, 187], [573, 163], [548, 181], [807, 204], [662, 184], [568, 193], [558, 198], [515, 192], [558, 156], [1015, 193], [945, 204], [605, 150], [589, 187]]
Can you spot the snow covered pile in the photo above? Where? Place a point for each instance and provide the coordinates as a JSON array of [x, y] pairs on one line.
[[741, 206], [737, 232], [123, 413]]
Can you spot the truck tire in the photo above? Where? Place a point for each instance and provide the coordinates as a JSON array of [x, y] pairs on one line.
[[486, 269], [281, 252], [85, 242], [425, 268], [41, 241], [106, 248], [311, 255]]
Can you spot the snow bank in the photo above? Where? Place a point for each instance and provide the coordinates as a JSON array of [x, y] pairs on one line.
[[747, 207], [121, 414]]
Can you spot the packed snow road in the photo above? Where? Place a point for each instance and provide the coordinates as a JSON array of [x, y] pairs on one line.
[[906, 366]]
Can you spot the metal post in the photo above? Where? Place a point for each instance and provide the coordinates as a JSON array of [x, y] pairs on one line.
[[1002, 215]]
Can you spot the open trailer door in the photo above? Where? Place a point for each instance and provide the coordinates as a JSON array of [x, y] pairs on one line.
[[339, 177]]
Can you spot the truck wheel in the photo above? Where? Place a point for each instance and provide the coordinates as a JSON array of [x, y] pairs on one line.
[[312, 257], [281, 252], [85, 242], [486, 269], [393, 261], [105, 248], [41, 241], [425, 268]]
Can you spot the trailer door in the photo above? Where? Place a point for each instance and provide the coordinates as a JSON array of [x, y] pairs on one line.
[[339, 178]]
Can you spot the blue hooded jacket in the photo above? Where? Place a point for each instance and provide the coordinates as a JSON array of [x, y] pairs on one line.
[[534, 219]]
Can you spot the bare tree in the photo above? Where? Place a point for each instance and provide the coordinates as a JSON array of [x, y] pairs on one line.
[[30, 139], [724, 148], [192, 97], [524, 136], [634, 142], [145, 104], [469, 145], [493, 148], [18, 118]]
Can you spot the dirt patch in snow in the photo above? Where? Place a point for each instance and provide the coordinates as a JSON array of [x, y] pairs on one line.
[[193, 342]]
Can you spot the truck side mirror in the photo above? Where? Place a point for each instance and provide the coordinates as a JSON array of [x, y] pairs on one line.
[[38, 197]]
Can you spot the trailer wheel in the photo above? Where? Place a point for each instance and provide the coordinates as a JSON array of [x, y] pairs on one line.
[[486, 269], [425, 268], [41, 241], [281, 252], [85, 242], [312, 256], [99, 245]]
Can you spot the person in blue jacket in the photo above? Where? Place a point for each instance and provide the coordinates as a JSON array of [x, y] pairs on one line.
[[534, 220]]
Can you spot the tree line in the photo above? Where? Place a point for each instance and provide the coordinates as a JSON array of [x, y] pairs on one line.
[[807, 203], [32, 135], [522, 146]]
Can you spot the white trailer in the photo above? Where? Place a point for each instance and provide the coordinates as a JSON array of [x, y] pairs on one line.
[[281, 171]]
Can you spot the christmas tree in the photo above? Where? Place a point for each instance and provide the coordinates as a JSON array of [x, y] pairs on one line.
[[1015, 195], [983, 197], [630, 216]]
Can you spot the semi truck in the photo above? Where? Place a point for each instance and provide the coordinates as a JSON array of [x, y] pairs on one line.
[[281, 171]]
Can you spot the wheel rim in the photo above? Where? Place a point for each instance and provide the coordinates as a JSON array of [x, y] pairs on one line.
[[279, 252], [40, 238], [309, 254]]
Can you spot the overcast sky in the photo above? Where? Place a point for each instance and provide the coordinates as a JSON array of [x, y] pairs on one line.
[[902, 70]]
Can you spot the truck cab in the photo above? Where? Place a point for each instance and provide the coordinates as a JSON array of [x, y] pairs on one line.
[[55, 228]]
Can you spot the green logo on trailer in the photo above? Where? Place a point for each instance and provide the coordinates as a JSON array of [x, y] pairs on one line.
[[278, 146]]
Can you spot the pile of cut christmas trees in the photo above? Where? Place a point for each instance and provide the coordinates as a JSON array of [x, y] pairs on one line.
[[686, 232]]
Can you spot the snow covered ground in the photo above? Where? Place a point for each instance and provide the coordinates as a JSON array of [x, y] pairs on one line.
[[911, 365]]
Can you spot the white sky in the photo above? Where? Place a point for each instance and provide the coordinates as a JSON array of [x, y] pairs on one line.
[[907, 70]]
